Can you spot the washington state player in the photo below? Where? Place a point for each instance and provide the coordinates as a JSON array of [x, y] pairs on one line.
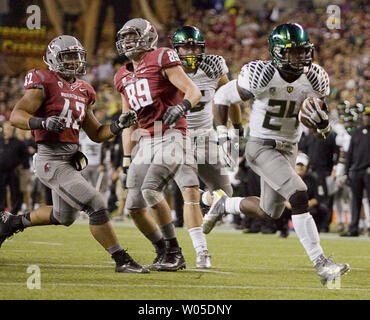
[[56, 106], [156, 87]]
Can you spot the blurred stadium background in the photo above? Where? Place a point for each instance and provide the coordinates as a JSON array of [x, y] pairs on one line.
[[235, 29]]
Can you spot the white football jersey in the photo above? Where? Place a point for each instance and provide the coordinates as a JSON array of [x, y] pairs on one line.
[[276, 102], [206, 78]]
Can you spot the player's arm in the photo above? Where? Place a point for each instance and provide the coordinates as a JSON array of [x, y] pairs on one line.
[[23, 117], [180, 80], [127, 143], [227, 95], [177, 76], [235, 114], [26, 107], [99, 133]]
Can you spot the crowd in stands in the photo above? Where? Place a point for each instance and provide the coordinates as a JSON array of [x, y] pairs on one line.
[[239, 35]]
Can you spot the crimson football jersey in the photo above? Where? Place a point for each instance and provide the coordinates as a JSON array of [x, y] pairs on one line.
[[148, 91], [64, 99]]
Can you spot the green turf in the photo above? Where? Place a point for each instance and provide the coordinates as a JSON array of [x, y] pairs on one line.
[[74, 266]]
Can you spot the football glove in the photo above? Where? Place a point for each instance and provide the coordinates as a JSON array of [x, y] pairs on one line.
[[174, 113], [54, 124], [314, 114], [227, 149], [125, 120]]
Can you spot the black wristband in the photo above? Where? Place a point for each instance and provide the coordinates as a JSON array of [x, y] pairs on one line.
[[36, 123], [115, 128], [240, 128], [186, 103]]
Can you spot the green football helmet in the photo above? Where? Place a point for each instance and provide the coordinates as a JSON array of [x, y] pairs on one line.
[[290, 48], [189, 36]]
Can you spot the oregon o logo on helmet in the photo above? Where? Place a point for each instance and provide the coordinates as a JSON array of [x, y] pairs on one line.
[[333, 21], [34, 20]]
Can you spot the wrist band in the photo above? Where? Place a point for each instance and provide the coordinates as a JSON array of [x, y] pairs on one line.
[[126, 161], [186, 103], [36, 123]]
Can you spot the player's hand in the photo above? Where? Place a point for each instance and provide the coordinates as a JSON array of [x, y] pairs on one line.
[[318, 117], [54, 124], [174, 113], [227, 149], [125, 120]]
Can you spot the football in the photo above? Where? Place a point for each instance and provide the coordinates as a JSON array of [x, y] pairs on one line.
[[305, 121]]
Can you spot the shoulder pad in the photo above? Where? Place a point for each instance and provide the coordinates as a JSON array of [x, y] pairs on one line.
[[257, 74], [319, 80], [214, 66]]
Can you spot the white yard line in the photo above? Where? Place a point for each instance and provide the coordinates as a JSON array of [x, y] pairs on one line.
[[213, 270], [176, 286], [47, 243]]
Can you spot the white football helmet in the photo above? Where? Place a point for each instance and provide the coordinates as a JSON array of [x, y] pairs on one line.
[[145, 40], [66, 55]]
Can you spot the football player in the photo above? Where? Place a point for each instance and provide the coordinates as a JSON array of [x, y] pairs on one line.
[[278, 87], [208, 72], [154, 85], [55, 106]]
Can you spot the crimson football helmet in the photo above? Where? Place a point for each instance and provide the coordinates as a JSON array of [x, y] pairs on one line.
[[143, 37], [66, 55]]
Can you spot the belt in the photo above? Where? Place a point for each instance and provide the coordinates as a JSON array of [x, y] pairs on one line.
[[269, 142], [276, 144]]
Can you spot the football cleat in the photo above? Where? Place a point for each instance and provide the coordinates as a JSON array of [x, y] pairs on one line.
[[155, 266], [216, 211], [203, 260], [173, 260], [128, 265], [6, 230], [328, 270]]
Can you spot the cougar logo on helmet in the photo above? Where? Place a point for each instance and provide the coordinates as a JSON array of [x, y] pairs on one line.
[[136, 36]]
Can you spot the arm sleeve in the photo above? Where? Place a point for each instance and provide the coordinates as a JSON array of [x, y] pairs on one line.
[[228, 94]]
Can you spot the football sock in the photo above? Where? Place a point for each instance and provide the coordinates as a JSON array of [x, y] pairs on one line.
[[232, 205], [118, 254], [199, 239], [169, 235], [156, 238], [306, 230], [26, 220]]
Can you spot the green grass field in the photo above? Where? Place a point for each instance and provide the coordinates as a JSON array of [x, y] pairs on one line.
[[74, 266]]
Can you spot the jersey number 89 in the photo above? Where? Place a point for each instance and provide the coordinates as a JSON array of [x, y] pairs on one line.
[[138, 94]]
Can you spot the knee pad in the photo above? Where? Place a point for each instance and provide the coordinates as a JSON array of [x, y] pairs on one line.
[[98, 218], [299, 202], [152, 197]]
